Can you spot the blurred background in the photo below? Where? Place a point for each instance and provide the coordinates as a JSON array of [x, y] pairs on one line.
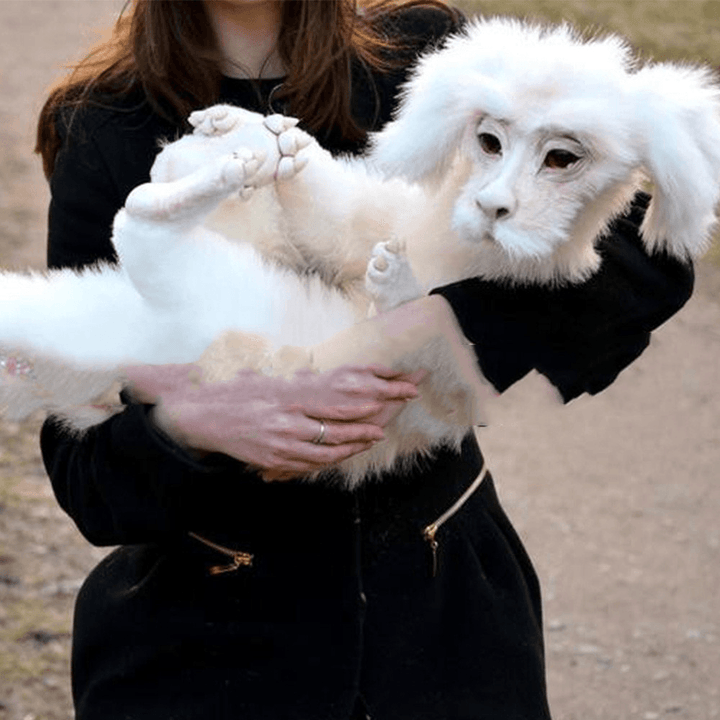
[[617, 497]]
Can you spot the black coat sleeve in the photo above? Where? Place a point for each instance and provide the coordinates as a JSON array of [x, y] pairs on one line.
[[83, 202], [105, 153], [122, 481], [579, 336]]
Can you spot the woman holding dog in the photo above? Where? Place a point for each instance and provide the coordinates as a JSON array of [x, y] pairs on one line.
[[235, 597]]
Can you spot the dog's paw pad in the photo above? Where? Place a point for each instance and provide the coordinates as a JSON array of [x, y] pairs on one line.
[[288, 167], [389, 277], [199, 121], [223, 125], [213, 121], [389, 259], [292, 141], [278, 124], [240, 170], [222, 119], [236, 168], [395, 246]]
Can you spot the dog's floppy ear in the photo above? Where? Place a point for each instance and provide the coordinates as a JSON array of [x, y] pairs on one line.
[[678, 129], [437, 104]]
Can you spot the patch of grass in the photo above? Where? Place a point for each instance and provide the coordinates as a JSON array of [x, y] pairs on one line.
[[28, 615], [8, 482], [662, 29], [29, 635], [713, 255], [19, 457], [14, 668]]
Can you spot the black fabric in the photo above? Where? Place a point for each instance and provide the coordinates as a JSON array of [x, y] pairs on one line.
[[340, 615], [340, 599]]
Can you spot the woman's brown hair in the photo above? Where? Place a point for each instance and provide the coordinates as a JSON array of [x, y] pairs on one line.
[[168, 49]]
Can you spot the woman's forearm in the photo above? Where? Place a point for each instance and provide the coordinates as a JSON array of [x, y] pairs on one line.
[[420, 335], [389, 337]]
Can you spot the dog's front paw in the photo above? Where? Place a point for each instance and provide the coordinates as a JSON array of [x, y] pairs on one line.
[[275, 142], [290, 140], [222, 119], [240, 172], [193, 196], [389, 278]]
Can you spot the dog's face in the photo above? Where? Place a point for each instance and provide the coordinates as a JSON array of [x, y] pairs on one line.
[[557, 131], [532, 182], [524, 189]]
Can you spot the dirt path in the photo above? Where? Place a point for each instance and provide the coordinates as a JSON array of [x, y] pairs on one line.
[[620, 514], [617, 497]]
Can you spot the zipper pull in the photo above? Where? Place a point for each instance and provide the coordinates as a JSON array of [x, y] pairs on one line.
[[239, 559], [429, 534]]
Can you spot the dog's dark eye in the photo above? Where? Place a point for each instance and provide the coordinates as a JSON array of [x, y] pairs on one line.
[[490, 143], [560, 159]]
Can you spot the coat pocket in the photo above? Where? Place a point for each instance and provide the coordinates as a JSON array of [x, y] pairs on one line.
[[430, 532]]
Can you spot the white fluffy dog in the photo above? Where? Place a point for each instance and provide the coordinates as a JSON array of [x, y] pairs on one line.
[[512, 149]]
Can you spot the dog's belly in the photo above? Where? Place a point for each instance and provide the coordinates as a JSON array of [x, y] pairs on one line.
[[239, 290]]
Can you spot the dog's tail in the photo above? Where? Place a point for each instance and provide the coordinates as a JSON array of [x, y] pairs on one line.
[[63, 337]]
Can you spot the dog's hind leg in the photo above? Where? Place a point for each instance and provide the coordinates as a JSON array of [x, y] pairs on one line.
[[389, 278]]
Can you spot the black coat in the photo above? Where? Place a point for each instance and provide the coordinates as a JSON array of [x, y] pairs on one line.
[[340, 613]]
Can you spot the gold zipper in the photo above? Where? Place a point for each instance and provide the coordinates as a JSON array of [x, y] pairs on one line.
[[239, 558], [430, 532]]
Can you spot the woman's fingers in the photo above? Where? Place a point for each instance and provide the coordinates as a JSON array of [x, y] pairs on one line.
[[324, 459], [415, 377], [356, 393], [366, 382], [349, 393], [291, 458], [326, 432], [343, 413]]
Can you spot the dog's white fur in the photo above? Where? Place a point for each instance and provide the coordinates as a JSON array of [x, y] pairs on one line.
[[513, 148]]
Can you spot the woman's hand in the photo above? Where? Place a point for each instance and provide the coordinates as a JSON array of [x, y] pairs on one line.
[[271, 423], [275, 424]]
